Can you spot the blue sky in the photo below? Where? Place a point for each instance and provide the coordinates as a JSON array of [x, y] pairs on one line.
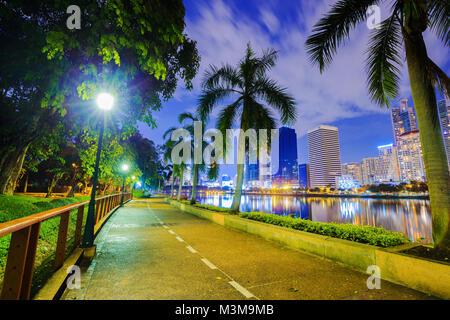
[[337, 97]]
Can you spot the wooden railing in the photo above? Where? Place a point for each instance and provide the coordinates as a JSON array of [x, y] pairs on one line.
[[24, 232]]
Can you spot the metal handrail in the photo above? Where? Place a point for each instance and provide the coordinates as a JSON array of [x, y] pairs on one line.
[[21, 223], [24, 240]]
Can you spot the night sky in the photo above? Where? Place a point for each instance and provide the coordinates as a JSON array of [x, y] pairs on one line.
[[338, 97]]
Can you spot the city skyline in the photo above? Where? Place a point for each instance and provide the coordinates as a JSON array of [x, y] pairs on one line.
[[322, 99]]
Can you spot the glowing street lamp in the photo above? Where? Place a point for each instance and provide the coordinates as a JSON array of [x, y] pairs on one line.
[[105, 102], [124, 170]]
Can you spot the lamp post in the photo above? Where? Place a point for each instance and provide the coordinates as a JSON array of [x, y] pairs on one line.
[[124, 170], [132, 185], [105, 102]]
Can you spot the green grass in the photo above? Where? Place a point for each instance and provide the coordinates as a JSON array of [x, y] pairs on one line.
[[139, 194], [376, 236], [212, 208], [15, 207]]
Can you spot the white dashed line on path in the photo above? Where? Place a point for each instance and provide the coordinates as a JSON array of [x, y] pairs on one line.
[[241, 289], [233, 283], [191, 249], [209, 264]]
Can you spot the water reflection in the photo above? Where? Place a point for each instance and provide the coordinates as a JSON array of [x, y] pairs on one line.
[[411, 217]]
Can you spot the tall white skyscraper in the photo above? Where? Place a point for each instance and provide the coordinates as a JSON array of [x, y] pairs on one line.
[[369, 170], [388, 170], [410, 159], [403, 119], [324, 156]]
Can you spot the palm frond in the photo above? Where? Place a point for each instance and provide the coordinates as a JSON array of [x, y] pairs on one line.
[[225, 121], [187, 115], [228, 115], [384, 61], [266, 62], [169, 132], [438, 77], [334, 28], [439, 19], [213, 171], [210, 98], [277, 97], [226, 76]]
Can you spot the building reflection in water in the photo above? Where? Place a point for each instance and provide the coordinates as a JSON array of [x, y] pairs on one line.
[[411, 217]]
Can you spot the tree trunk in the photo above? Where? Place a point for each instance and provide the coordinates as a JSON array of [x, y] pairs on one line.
[[180, 187], [25, 187], [171, 188], [51, 185], [194, 184], [238, 190], [71, 193], [10, 167], [434, 155]]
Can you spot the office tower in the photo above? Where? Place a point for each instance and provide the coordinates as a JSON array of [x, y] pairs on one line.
[[265, 175], [388, 170], [409, 155], [324, 156], [187, 176], [369, 170], [303, 175], [444, 117], [352, 169], [251, 174], [403, 119], [288, 162], [227, 182]]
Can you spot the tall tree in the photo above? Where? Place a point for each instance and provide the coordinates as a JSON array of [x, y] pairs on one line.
[[404, 27], [196, 167], [136, 49], [251, 87]]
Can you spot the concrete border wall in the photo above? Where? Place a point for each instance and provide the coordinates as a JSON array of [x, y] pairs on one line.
[[420, 274]]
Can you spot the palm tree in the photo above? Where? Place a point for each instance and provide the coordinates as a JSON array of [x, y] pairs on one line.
[[195, 167], [404, 27], [249, 86], [167, 155]]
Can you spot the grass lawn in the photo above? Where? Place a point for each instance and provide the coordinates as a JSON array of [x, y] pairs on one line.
[[15, 207]]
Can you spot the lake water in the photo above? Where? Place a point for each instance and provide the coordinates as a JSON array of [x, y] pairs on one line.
[[411, 217]]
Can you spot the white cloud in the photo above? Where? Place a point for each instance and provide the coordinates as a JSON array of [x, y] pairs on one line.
[[270, 20]]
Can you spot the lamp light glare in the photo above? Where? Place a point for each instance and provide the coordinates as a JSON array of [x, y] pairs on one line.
[[124, 167], [105, 101]]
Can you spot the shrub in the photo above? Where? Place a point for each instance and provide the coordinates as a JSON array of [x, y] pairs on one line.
[[376, 236], [212, 208]]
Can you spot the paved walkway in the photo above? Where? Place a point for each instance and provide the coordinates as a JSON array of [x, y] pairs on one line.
[[149, 250]]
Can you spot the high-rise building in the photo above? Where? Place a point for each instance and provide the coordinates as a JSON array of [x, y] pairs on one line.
[[369, 170], [251, 174], [227, 182], [352, 169], [265, 174], [387, 170], [410, 159], [187, 176], [324, 156], [444, 117], [403, 119], [288, 161], [303, 175]]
